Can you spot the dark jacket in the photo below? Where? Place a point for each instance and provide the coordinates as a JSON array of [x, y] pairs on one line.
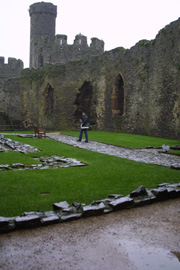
[[85, 121]]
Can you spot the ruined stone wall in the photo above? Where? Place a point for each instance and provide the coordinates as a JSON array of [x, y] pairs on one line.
[[49, 95], [134, 91], [12, 69], [151, 76], [10, 109], [61, 52]]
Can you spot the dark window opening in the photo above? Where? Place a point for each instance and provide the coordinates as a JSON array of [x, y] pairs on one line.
[[49, 99], [83, 101], [118, 96], [40, 61]]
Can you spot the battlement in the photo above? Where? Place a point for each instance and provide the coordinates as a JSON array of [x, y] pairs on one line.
[[12, 68], [62, 52], [80, 42], [43, 8]]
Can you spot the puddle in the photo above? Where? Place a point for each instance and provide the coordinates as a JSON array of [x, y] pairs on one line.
[[149, 257]]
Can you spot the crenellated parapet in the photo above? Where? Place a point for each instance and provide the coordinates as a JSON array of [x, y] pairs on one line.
[[62, 52], [80, 42], [12, 69]]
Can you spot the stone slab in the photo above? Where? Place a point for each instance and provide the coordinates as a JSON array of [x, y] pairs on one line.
[[122, 203], [93, 210], [60, 205], [27, 222]]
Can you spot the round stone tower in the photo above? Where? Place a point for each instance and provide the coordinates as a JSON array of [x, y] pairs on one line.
[[42, 33]]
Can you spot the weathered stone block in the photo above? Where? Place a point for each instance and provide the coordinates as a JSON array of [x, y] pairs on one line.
[[177, 186], [163, 184], [50, 220], [27, 222], [140, 191], [6, 225], [77, 205], [172, 193], [17, 165], [160, 194], [115, 196], [60, 205], [122, 203], [93, 210], [144, 201], [4, 222], [4, 167], [71, 217]]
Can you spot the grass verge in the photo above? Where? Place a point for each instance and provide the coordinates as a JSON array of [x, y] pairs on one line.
[[21, 190]]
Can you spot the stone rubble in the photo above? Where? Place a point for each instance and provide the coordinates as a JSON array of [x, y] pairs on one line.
[[64, 212], [53, 162], [7, 145]]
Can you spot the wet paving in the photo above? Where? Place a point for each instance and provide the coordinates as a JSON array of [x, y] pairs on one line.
[[146, 238]]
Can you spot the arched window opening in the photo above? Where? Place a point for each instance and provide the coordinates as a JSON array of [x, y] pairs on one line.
[[49, 99], [118, 96], [83, 101]]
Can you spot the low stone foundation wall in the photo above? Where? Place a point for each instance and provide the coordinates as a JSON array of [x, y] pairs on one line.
[[62, 211]]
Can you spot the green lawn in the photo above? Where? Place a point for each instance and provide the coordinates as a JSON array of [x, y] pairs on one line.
[[21, 190]]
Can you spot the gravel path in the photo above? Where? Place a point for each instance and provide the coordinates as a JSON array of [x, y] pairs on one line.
[[146, 238], [152, 156]]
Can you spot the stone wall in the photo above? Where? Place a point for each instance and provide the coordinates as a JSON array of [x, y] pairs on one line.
[[134, 91], [12, 69], [10, 108]]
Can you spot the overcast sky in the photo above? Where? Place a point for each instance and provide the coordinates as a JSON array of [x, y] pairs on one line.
[[120, 23]]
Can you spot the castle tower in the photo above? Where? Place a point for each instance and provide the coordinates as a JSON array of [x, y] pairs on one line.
[[43, 17]]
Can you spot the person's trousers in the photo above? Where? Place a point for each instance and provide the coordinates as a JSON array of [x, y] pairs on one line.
[[81, 133]]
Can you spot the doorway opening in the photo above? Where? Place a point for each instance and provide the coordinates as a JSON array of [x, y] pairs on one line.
[[83, 101], [118, 96], [49, 99]]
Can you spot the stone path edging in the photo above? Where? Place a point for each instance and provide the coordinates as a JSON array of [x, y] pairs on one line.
[[64, 212]]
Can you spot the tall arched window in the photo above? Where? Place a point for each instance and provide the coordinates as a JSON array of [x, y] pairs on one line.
[[83, 100], [118, 96], [49, 99]]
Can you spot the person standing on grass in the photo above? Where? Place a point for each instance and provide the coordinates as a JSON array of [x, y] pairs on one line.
[[84, 126]]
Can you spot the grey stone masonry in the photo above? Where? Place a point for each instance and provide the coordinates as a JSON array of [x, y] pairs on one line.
[[12, 69]]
